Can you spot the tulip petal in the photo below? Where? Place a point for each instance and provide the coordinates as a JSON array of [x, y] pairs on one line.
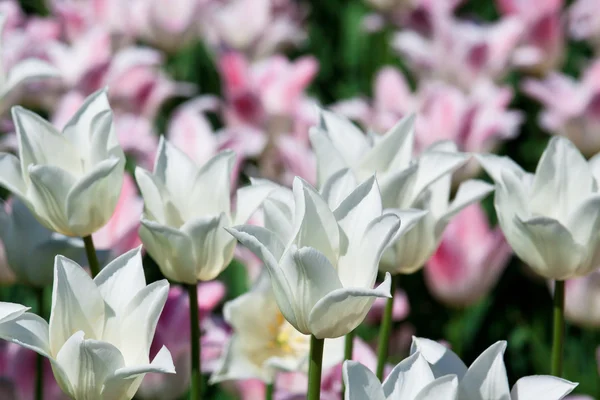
[[409, 218], [171, 249], [469, 192], [329, 159], [554, 244], [444, 388], [210, 193], [249, 198], [154, 194], [344, 135], [28, 69], [77, 304], [541, 387], [235, 365], [433, 165], [265, 245], [496, 166], [41, 144], [584, 225], [441, 359], [338, 187], [408, 378], [92, 201], [358, 209], [314, 224], [10, 311], [486, 377], [397, 188], [360, 382], [393, 151], [278, 217], [342, 310], [48, 193], [173, 168], [11, 177], [213, 247], [28, 330]]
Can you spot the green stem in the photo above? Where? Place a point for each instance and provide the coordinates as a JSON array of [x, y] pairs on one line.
[[314, 368], [270, 389], [348, 347], [39, 361], [92, 257], [385, 330], [196, 376], [558, 334]]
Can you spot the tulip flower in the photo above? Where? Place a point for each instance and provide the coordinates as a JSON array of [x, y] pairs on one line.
[[186, 208], [411, 379], [260, 351], [468, 261], [30, 248], [486, 377], [582, 300], [70, 181], [100, 330]]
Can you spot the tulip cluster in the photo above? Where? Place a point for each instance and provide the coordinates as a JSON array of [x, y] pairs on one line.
[[210, 217]]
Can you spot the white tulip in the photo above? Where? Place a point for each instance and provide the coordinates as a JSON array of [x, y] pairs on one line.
[[417, 189], [100, 331], [323, 276], [23, 71], [411, 379], [486, 378], [260, 350], [551, 218], [70, 181], [30, 248], [186, 208]]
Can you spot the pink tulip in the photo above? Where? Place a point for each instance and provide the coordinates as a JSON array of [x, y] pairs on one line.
[[542, 44], [461, 52], [18, 375], [468, 261], [584, 21], [120, 234], [582, 300], [571, 107], [173, 331], [257, 28]]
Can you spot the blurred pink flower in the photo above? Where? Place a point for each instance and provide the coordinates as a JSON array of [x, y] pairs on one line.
[[582, 300], [120, 234], [584, 21], [571, 107], [168, 28], [173, 331], [18, 375], [135, 132], [257, 28], [468, 261], [542, 44], [461, 52]]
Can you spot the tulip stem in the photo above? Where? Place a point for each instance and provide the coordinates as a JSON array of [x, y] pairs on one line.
[[92, 257], [269, 390], [386, 330], [558, 335], [314, 368], [348, 347], [39, 361], [196, 376]]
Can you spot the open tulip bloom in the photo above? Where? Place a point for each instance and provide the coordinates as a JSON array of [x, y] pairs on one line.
[[71, 180], [100, 331], [186, 208]]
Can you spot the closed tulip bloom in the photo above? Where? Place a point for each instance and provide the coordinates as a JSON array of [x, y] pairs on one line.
[[71, 180], [486, 377], [411, 379], [550, 218], [186, 208], [468, 261], [323, 276], [100, 330], [30, 248]]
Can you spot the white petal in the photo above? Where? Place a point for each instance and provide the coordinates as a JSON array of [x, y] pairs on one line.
[[345, 136], [210, 190], [278, 218], [342, 310], [486, 378], [175, 170], [541, 387], [152, 191], [10, 175], [28, 330], [562, 175], [442, 360], [361, 383], [444, 388], [469, 192], [433, 165], [10, 311], [338, 187], [77, 304], [408, 378], [584, 225], [329, 159], [495, 166], [249, 198], [27, 70]]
